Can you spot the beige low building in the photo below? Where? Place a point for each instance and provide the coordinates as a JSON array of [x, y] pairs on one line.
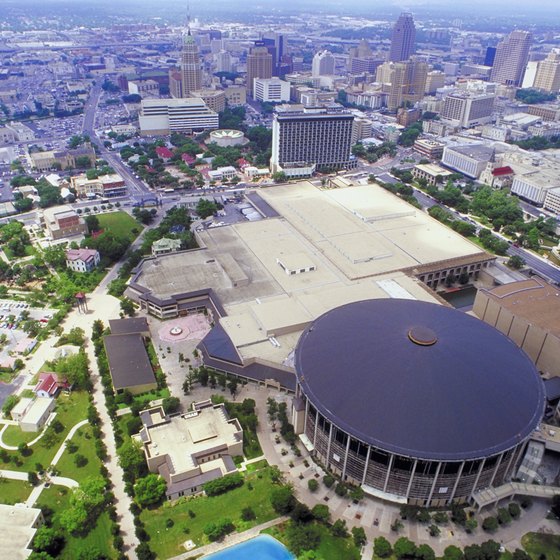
[[529, 313], [32, 414], [431, 172], [191, 449], [18, 525]]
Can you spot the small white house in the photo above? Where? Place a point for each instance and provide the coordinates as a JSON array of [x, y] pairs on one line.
[[82, 260]]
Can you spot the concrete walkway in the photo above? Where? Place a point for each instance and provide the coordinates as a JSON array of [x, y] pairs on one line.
[[70, 435], [230, 540]]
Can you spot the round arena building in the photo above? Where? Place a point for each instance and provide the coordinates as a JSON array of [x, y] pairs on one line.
[[418, 403]]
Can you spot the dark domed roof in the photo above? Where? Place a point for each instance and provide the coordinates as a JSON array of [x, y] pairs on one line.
[[419, 379]]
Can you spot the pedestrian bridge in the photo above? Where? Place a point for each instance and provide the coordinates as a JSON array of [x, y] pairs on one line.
[[490, 496]]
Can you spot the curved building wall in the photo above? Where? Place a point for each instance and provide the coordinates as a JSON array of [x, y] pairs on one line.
[[398, 478]]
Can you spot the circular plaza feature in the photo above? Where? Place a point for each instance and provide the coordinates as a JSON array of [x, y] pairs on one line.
[[417, 402], [175, 331], [228, 137]]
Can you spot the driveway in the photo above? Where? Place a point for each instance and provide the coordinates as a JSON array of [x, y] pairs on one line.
[[6, 389]]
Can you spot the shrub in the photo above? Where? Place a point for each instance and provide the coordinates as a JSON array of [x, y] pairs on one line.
[[434, 531], [514, 510], [382, 547], [313, 485], [321, 513], [341, 489], [80, 461], [359, 536], [248, 514], [328, 480], [169, 523], [490, 524], [222, 485], [504, 518], [215, 531]]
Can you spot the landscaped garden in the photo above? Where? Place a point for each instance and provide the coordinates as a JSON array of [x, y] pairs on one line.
[[542, 545], [187, 518]]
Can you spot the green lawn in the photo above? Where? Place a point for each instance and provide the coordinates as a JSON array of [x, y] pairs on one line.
[[86, 447], [541, 544], [57, 498], [14, 491], [330, 547], [120, 223], [166, 542], [14, 436], [70, 410]]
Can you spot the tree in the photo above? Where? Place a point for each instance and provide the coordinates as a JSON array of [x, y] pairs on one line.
[[92, 223], [313, 485], [279, 177], [504, 518], [519, 554], [356, 493], [171, 405], [301, 513], [516, 262], [303, 537], [143, 552], [490, 550], [452, 552], [48, 540], [215, 531], [425, 552], [23, 204], [321, 513], [434, 530], [472, 552], [471, 524], [490, 524], [328, 480], [32, 478], [282, 500], [206, 208], [404, 548], [9, 403], [232, 386], [339, 528], [248, 514], [382, 547], [359, 536], [127, 307], [131, 459], [150, 490]]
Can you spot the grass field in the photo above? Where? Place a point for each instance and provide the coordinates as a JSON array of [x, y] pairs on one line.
[[542, 544], [83, 438], [120, 223], [70, 409], [166, 542], [57, 498], [14, 491]]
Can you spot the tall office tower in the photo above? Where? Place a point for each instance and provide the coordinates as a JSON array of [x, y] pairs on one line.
[[404, 82], [434, 80], [402, 38], [191, 72], [312, 137], [363, 50], [323, 64], [512, 55], [259, 64], [490, 56], [548, 72], [223, 62], [275, 44]]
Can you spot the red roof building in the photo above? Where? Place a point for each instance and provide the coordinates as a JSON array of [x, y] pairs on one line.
[[501, 171], [188, 159], [164, 153], [49, 385]]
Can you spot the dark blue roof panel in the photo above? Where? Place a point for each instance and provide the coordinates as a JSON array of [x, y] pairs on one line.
[[219, 345], [419, 379]]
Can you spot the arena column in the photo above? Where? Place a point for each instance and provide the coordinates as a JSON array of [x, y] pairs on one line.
[[498, 463], [477, 478], [434, 483], [456, 482], [329, 446], [388, 472], [366, 464], [346, 456], [411, 478]]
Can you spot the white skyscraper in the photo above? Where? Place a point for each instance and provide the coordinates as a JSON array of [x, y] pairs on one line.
[[323, 64]]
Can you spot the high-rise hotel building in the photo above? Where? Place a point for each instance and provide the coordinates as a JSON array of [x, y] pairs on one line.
[[318, 137]]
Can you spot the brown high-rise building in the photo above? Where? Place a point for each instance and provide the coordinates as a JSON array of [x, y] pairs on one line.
[[548, 72], [191, 73], [259, 65], [511, 59], [404, 82], [402, 38]]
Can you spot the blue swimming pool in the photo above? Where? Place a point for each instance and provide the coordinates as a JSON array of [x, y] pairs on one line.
[[259, 548]]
